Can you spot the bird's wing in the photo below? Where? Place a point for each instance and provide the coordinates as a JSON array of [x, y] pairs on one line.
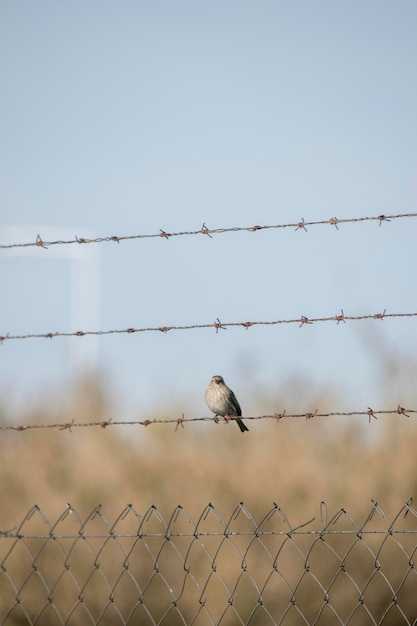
[[234, 399]]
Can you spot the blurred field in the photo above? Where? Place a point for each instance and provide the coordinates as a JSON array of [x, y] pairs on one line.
[[294, 463]]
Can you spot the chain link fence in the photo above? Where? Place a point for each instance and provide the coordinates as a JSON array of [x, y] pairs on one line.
[[257, 570]]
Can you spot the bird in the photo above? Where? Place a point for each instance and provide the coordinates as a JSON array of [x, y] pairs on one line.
[[222, 401]]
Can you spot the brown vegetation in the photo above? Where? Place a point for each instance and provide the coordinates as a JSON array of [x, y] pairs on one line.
[[293, 462]]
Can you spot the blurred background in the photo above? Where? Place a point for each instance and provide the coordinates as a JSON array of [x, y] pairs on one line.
[[126, 118], [130, 117]]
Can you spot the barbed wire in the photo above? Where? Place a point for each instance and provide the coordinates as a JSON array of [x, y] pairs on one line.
[[204, 230], [217, 325], [370, 413]]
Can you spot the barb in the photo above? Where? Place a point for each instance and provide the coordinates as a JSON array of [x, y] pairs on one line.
[[217, 325], [277, 417], [301, 225]]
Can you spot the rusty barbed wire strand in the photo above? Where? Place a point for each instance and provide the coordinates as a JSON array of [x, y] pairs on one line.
[[217, 325], [370, 413], [204, 230]]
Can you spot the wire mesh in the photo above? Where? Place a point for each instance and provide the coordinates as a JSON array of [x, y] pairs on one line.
[[244, 569]]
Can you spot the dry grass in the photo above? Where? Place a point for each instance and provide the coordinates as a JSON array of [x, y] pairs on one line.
[[294, 463]]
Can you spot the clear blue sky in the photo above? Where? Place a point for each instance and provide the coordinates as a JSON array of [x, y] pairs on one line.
[[126, 117]]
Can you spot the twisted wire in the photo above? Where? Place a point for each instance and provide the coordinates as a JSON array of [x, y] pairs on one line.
[[204, 230], [217, 325], [370, 413]]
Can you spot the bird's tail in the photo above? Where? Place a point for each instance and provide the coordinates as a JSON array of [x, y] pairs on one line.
[[241, 425]]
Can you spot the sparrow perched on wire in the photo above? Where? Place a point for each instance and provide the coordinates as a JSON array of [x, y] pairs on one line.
[[222, 401]]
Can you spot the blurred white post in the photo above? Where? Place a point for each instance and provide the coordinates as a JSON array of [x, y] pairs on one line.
[[83, 284], [85, 304]]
